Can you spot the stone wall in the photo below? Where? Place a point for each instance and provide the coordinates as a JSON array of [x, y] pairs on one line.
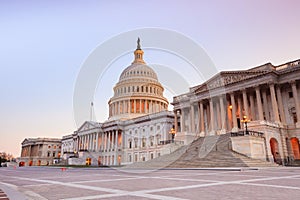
[[251, 146]]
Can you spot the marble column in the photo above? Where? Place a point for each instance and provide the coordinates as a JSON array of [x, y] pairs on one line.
[[150, 107], [297, 104], [88, 142], [97, 141], [280, 105], [129, 106], [222, 116], [82, 142], [140, 106], [134, 105], [92, 142], [109, 141], [229, 114], [212, 117], [265, 105], [234, 119], [218, 113], [116, 139], [105, 141], [201, 118], [102, 140], [124, 109], [192, 118], [259, 104], [274, 104], [112, 140], [175, 121], [245, 102], [182, 121], [252, 108], [240, 108], [122, 139]]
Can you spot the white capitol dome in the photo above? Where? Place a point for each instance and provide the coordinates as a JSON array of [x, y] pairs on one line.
[[138, 91]]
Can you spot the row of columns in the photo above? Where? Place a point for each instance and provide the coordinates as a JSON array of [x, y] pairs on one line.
[[108, 141], [136, 106], [213, 111], [89, 142]]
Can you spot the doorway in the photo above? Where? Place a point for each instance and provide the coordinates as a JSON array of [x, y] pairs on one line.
[[295, 148], [275, 150]]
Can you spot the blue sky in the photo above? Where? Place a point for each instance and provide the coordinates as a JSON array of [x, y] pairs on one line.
[[44, 43]]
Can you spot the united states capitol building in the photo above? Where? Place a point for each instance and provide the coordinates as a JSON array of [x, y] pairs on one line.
[[258, 108], [138, 125]]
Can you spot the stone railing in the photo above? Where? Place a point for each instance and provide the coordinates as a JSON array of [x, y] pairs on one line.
[[170, 141], [245, 133]]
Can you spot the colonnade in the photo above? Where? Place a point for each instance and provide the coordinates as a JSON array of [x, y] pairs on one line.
[[103, 141], [225, 112], [136, 106]]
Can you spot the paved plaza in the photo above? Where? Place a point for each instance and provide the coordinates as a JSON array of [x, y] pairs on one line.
[[172, 184]]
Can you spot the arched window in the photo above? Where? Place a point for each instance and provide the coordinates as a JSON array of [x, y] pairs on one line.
[[129, 144]]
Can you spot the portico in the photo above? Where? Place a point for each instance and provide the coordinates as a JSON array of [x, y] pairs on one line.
[[268, 95]]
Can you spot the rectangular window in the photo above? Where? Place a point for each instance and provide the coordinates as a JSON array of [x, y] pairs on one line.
[[135, 157]]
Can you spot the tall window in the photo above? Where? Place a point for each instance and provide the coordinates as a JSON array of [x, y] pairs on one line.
[[158, 139], [135, 143], [151, 141], [129, 157], [144, 142]]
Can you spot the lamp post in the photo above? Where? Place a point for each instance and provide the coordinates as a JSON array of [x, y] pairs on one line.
[[172, 131], [246, 121]]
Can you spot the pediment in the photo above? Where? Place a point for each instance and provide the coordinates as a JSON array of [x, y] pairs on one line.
[[226, 78], [25, 141], [88, 125]]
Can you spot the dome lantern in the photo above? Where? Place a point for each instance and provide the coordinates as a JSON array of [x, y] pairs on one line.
[[138, 54]]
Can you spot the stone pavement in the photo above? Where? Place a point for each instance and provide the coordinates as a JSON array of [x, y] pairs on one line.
[[170, 184]]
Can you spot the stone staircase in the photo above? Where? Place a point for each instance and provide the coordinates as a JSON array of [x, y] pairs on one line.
[[159, 162], [204, 152]]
